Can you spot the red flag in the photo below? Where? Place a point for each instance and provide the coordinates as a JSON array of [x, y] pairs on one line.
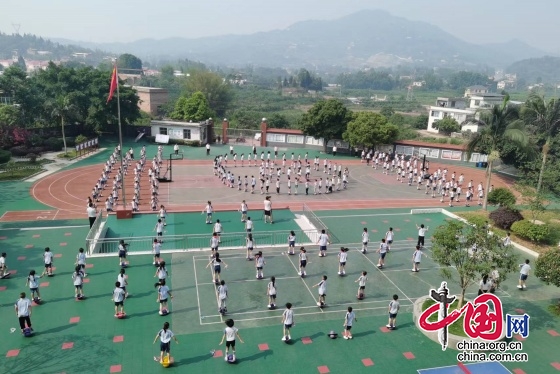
[[114, 82]]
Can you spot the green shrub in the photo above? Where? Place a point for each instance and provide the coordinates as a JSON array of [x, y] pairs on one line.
[[530, 231], [441, 140], [70, 141], [455, 141], [80, 139], [501, 196], [54, 144], [504, 217], [32, 157], [192, 143], [4, 156], [35, 140]]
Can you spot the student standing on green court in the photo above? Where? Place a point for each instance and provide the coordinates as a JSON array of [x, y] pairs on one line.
[[421, 234], [394, 307], [216, 263], [268, 210], [250, 246], [214, 243], [218, 230], [81, 260], [362, 285], [156, 250], [382, 250], [342, 257], [287, 322], [244, 208], [365, 240], [209, 210], [389, 237], [349, 319], [322, 242], [118, 298], [230, 333], [33, 283], [23, 312], [322, 290], [165, 336], [48, 259], [416, 258]]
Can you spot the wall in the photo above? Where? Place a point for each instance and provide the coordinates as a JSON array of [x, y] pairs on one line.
[[176, 132]]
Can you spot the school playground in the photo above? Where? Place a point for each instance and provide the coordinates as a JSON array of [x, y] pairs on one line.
[[83, 336]]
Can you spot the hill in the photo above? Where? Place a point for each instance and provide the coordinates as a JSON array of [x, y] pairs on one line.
[[535, 70], [370, 38]]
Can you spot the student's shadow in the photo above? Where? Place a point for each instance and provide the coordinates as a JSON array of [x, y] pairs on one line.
[[193, 360], [144, 314], [54, 330], [363, 333], [256, 356]]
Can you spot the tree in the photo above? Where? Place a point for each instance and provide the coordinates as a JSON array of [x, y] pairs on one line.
[[194, 108], [369, 129], [128, 63], [326, 119], [500, 124], [548, 269], [304, 78], [421, 122], [544, 117], [452, 248], [278, 121], [447, 125], [387, 111], [63, 109], [216, 90]]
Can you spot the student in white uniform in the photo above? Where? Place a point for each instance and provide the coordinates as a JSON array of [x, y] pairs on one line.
[[365, 240], [291, 243], [230, 333], [48, 259], [249, 225], [156, 250], [421, 234], [162, 295], [161, 272], [216, 263], [268, 210], [3, 267], [416, 258], [250, 246], [33, 283], [389, 237], [163, 215], [322, 290], [222, 293], [158, 228], [362, 285], [122, 278], [244, 208], [81, 260], [218, 230], [214, 243], [165, 334], [23, 312], [208, 210], [349, 319], [287, 322], [302, 261], [78, 278], [382, 250], [118, 298], [271, 292], [495, 276], [485, 284], [394, 307], [342, 257], [322, 242], [259, 265], [524, 274]]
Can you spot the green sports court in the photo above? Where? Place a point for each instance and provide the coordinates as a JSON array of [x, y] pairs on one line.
[[83, 336]]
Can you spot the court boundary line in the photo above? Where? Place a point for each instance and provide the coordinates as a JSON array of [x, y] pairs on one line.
[[303, 281], [197, 293], [43, 228], [368, 215]]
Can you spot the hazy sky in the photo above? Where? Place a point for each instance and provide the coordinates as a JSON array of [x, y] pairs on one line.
[[477, 21]]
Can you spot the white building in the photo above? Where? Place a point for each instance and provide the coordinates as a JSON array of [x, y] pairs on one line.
[[476, 90], [186, 131], [455, 108], [485, 100]]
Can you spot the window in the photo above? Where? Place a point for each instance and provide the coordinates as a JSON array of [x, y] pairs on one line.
[[297, 139], [477, 102], [163, 130], [435, 114], [276, 138], [312, 141], [186, 133]]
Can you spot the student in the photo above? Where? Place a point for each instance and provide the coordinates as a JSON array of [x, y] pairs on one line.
[[394, 307], [342, 256], [216, 263], [362, 285], [163, 215], [81, 261], [214, 243], [230, 333], [485, 284], [78, 278], [495, 277], [302, 261], [421, 234], [33, 283], [323, 241], [118, 298], [271, 292], [389, 237], [165, 334], [23, 312], [156, 250], [291, 243], [158, 228], [416, 258], [268, 210], [122, 253], [222, 293], [163, 293], [524, 274], [3, 267], [243, 210], [507, 240], [382, 250], [209, 210], [161, 272], [365, 240], [249, 225], [122, 278], [250, 246], [48, 259], [349, 319], [259, 264], [322, 290], [287, 322], [218, 230]]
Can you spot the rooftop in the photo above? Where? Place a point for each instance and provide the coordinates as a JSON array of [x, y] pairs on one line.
[[416, 143]]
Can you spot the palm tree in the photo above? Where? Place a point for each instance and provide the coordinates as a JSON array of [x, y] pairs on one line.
[[545, 118], [499, 124], [62, 108]]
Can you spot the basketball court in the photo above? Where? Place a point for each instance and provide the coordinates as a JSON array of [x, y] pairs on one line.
[[73, 336]]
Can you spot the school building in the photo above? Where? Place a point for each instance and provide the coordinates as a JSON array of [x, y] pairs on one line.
[[451, 152]]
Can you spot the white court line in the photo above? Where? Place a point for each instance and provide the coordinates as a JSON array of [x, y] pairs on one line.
[[385, 275], [248, 280], [366, 215], [47, 228], [423, 269], [3, 214], [233, 257], [298, 314], [56, 214], [306, 286], [197, 294]]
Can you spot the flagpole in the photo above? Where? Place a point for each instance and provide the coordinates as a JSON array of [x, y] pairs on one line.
[[120, 135]]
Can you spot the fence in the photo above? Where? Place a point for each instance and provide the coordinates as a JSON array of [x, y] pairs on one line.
[[94, 233], [317, 223]]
